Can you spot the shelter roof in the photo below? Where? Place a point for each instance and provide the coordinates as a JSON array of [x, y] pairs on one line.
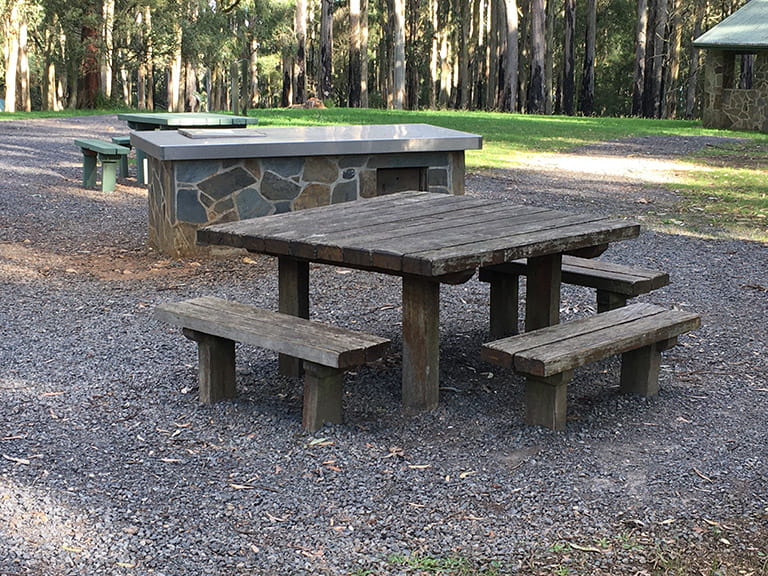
[[744, 30]]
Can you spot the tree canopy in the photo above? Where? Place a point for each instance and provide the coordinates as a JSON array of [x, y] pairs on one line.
[[603, 57]]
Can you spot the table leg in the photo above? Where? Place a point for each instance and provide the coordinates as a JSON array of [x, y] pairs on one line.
[[542, 296], [141, 175], [293, 290], [421, 362]]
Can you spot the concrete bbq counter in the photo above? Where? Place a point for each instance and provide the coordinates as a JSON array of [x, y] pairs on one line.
[[204, 176]]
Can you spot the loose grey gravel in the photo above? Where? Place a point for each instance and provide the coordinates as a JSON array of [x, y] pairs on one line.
[[110, 466]]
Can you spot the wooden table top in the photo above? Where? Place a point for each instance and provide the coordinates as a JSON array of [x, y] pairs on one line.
[[419, 233]]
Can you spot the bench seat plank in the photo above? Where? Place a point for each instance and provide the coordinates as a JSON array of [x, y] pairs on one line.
[[322, 344], [598, 274], [566, 346], [548, 356]]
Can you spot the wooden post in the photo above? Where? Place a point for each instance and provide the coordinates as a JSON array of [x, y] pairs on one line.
[[89, 168], [323, 396], [542, 299], [546, 400], [609, 301], [421, 358], [108, 173], [640, 370], [504, 302], [293, 290], [216, 366]]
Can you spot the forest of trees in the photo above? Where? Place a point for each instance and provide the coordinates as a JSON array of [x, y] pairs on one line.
[[588, 57]]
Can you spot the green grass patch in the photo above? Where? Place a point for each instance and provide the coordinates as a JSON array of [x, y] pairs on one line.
[[507, 138], [728, 189]]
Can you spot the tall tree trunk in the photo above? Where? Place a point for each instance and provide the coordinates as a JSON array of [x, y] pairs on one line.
[[89, 71], [23, 95], [326, 49], [354, 54], [174, 72], [641, 42], [569, 71], [145, 82], [660, 26], [254, 96], [693, 77], [511, 58], [300, 26], [191, 99], [587, 93], [412, 49], [434, 59], [549, 57], [108, 24], [536, 86], [493, 24], [673, 61], [364, 53], [398, 62], [461, 11], [12, 26]]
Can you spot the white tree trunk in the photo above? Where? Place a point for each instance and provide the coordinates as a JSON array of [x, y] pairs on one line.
[[11, 57], [108, 23], [398, 89]]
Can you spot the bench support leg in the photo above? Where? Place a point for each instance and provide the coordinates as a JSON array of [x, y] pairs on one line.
[[124, 166], [89, 169], [421, 358], [216, 361], [293, 290], [504, 299], [542, 296], [640, 369], [609, 301], [323, 394], [546, 400], [108, 173]]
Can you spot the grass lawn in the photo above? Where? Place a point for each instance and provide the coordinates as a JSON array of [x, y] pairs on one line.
[[725, 189]]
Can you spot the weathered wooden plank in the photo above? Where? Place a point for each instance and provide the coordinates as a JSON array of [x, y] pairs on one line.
[[502, 352], [326, 345], [598, 274], [413, 234], [579, 350], [498, 250]]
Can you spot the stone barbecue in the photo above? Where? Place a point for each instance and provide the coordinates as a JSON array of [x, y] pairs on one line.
[[205, 176]]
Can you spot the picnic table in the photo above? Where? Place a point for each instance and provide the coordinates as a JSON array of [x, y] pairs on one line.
[[427, 239], [147, 121]]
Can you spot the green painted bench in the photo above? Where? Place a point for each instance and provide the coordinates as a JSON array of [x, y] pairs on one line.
[[326, 351], [108, 154], [614, 283], [548, 356], [123, 141]]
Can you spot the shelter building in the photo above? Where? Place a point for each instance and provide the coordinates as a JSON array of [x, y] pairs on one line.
[[736, 71]]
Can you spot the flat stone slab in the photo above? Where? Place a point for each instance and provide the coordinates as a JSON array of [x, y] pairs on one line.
[[274, 142]]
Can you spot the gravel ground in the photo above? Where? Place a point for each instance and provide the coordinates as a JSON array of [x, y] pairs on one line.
[[110, 466]]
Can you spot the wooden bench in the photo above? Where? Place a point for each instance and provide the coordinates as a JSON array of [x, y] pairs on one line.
[[547, 357], [615, 283], [327, 351], [123, 141], [108, 154]]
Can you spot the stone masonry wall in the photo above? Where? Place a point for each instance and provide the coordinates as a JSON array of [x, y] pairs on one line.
[[186, 195], [728, 107]]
